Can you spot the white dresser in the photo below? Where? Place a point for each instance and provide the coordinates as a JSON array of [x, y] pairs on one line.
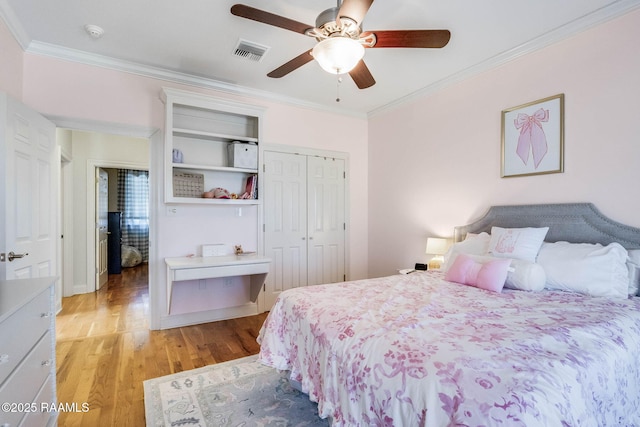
[[27, 352]]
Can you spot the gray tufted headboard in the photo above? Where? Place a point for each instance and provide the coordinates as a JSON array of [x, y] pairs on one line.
[[571, 222]]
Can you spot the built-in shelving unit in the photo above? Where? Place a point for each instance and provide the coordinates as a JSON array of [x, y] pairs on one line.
[[202, 133]]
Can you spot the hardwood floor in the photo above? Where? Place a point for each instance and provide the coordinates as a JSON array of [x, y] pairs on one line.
[[105, 350]]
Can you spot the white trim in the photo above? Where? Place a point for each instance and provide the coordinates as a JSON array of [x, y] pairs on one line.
[[584, 23], [347, 195], [291, 149], [15, 26], [66, 173], [199, 317], [92, 164], [597, 17], [588, 21], [96, 126], [87, 58], [156, 190]]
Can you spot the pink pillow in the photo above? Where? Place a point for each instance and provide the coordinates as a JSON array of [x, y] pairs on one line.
[[490, 275]]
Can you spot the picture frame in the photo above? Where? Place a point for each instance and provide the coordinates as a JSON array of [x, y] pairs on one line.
[[533, 138]]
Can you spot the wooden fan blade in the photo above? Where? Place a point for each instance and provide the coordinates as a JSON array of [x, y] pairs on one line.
[[362, 76], [249, 12], [292, 65], [410, 38], [355, 9]]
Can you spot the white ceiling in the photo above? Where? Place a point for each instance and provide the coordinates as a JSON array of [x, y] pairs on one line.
[[193, 41]]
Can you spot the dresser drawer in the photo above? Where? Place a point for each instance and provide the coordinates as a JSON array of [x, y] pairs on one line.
[[21, 330], [23, 385], [39, 418]]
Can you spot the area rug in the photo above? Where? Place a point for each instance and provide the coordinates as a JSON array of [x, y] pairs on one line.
[[241, 392]]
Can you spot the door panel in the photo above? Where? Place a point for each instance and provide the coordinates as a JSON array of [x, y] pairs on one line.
[[327, 234], [28, 193], [102, 226], [305, 232], [285, 216]]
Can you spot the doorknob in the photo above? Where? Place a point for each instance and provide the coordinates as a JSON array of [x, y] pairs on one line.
[[12, 255]]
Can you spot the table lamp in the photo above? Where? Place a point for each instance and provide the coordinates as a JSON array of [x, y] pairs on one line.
[[438, 247]]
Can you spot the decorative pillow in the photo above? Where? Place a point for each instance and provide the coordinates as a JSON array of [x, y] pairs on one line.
[[525, 276], [590, 269], [489, 275], [517, 243], [473, 244], [633, 265]]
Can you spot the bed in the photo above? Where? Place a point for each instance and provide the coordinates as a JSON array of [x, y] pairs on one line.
[[419, 350]]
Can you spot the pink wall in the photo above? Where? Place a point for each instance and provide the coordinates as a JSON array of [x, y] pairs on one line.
[[442, 165], [10, 63], [71, 90]]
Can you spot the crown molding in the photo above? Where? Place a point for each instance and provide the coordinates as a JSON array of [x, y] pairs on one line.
[[15, 27], [586, 22], [87, 58], [574, 27], [88, 125]]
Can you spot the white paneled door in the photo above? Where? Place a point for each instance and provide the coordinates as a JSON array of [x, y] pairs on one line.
[[304, 211], [102, 222], [326, 216], [28, 193]]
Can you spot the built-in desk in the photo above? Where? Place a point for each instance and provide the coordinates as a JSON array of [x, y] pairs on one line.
[[195, 268]]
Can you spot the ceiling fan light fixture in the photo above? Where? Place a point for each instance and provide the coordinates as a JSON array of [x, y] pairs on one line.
[[338, 55]]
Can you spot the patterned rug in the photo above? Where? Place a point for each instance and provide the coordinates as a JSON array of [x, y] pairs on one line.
[[241, 392]]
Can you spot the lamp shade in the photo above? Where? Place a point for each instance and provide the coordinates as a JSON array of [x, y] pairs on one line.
[[338, 55], [437, 246]]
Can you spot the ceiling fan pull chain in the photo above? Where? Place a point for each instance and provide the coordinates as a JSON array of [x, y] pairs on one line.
[[339, 80]]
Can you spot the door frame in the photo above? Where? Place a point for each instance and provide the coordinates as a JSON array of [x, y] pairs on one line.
[[66, 226], [92, 165], [155, 137], [347, 196]]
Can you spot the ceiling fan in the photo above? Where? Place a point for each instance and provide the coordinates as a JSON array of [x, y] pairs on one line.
[[341, 40]]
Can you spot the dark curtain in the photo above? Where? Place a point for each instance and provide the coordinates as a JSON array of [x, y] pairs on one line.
[[133, 202]]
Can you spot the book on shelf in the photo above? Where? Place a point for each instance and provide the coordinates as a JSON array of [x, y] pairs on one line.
[[251, 188]]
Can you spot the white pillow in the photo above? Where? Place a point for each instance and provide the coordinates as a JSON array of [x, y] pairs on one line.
[[517, 243], [590, 269], [525, 276], [633, 265], [473, 244]]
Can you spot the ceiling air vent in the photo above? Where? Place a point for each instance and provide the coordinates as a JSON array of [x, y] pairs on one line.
[[250, 50]]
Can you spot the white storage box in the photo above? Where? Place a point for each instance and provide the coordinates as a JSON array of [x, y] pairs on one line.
[[243, 155]]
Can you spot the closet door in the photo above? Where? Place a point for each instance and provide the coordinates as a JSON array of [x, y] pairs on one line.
[[304, 213], [285, 215], [326, 220]]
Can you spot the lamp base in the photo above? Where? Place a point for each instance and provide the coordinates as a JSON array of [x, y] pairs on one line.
[[436, 262]]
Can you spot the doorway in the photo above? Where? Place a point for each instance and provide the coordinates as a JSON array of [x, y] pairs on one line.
[[91, 150]]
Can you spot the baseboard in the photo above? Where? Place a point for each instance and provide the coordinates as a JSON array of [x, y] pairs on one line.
[[188, 319]]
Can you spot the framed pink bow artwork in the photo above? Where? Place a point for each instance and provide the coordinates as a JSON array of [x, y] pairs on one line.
[[533, 138]]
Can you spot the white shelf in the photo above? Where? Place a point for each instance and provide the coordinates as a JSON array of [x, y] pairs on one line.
[[204, 201], [211, 135], [195, 268], [213, 168], [202, 128]]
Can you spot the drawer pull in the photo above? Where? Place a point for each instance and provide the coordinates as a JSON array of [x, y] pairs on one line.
[[46, 362], [4, 358], [48, 314]]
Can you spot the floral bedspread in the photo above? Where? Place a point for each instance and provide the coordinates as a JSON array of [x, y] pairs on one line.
[[416, 350]]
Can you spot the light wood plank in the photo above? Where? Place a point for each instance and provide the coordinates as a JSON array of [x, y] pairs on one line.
[[105, 350]]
